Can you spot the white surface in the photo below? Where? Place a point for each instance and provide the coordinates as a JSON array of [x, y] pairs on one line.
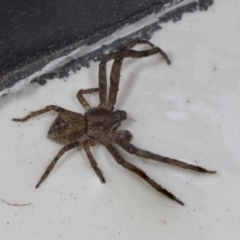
[[189, 110]]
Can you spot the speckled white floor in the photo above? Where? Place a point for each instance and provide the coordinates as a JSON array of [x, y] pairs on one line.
[[189, 110]]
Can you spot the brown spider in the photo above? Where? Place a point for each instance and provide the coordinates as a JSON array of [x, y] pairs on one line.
[[100, 124]]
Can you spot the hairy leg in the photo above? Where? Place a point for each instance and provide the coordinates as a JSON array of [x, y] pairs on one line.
[[138, 41], [55, 160], [140, 173], [81, 98], [116, 68], [36, 113], [118, 57], [93, 162], [127, 146]]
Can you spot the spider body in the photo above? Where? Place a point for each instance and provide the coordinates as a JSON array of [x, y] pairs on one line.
[[68, 127], [100, 124]]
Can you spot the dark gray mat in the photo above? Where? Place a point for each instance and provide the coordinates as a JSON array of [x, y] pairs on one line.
[[34, 33]]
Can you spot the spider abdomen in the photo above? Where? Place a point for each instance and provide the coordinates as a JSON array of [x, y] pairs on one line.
[[67, 127]]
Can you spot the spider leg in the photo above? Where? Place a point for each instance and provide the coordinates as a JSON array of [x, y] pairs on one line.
[[138, 41], [119, 159], [116, 68], [127, 146], [118, 57], [55, 160], [36, 113], [93, 162], [81, 98]]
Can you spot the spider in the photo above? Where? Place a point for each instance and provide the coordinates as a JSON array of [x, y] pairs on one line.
[[100, 124]]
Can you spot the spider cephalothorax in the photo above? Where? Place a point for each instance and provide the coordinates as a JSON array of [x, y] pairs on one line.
[[100, 124]]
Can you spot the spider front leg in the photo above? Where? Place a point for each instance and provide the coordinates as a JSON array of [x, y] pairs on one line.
[[55, 160], [116, 68], [119, 159], [127, 146], [115, 73], [138, 41], [81, 98], [36, 113]]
